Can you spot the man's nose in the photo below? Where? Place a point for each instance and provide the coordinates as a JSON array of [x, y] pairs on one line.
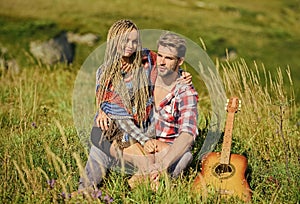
[[162, 60]]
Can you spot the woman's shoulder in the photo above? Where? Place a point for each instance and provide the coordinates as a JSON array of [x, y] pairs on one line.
[[99, 71], [148, 56]]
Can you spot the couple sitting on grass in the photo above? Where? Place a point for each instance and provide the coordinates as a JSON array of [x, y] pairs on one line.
[[147, 109]]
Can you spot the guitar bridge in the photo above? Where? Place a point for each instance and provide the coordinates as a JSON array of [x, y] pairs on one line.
[[226, 192]]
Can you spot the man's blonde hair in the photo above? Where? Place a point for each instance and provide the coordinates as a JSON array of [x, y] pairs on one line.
[[169, 39]]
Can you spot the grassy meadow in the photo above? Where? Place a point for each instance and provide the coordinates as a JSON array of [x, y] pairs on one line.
[[40, 151]]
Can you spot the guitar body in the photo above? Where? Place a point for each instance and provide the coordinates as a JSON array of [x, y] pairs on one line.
[[222, 171], [226, 180]]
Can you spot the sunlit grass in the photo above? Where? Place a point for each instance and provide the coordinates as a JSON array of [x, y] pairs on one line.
[[41, 153], [266, 130], [256, 30]]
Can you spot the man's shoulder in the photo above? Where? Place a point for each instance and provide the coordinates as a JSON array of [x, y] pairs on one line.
[[185, 89]]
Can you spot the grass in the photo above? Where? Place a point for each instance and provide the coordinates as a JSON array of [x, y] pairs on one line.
[[256, 30], [39, 142]]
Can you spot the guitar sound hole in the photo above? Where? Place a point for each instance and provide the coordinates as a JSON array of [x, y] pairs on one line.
[[224, 170]]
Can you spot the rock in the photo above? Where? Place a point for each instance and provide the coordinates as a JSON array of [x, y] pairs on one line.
[[230, 55], [88, 38], [13, 66], [53, 51], [9, 66], [7, 63]]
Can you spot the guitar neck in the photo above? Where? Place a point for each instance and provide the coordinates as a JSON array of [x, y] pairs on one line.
[[226, 147]]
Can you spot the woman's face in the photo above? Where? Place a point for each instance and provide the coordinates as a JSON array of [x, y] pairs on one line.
[[131, 44]]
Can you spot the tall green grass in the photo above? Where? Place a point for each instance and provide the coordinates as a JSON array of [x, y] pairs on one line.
[[39, 144], [266, 131]]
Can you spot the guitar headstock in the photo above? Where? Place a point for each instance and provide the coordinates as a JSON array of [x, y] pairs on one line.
[[233, 105]]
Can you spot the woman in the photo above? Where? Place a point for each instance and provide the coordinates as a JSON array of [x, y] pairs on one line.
[[123, 92], [123, 86]]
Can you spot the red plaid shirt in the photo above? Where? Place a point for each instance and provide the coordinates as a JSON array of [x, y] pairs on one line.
[[177, 113]]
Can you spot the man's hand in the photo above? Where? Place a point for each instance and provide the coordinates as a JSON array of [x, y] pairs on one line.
[[102, 120], [150, 146], [155, 172], [153, 145]]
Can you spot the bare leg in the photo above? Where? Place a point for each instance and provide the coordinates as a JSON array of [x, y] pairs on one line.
[[136, 155]]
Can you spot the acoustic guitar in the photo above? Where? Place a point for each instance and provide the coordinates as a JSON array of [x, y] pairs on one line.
[[224, 172]]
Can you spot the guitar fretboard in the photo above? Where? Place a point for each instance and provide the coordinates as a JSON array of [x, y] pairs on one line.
[[226, 147]]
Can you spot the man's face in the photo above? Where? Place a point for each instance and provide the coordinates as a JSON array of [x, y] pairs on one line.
[[167, 61]]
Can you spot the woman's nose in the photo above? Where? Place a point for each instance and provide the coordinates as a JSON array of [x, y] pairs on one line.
[[129, 44]]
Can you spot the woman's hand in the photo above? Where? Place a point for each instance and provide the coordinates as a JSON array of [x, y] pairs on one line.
[[186, 78], [114, 150], [102, 120]]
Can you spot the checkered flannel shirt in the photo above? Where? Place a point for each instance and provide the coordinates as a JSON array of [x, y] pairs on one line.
[[177, 113]]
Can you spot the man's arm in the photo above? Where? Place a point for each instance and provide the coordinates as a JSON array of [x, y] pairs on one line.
[[188, 129], [182, 144]]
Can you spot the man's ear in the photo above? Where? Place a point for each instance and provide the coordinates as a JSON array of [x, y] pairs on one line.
[[180, 61]]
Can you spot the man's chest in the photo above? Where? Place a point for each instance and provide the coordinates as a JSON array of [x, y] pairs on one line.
[[159, 96]]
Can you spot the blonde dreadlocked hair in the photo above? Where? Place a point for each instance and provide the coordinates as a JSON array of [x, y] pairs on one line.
[[112, 70]]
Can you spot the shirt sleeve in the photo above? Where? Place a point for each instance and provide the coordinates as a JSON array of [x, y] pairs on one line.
[[98, 75], [188, 118], [131, 129]]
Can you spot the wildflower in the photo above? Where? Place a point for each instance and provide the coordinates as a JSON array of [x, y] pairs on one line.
[[33, 124], [51, 183], [96, 193], [65, 195], [108, 199]]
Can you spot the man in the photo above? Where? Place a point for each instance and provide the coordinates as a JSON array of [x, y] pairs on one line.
[[175, 106], [175, 111]]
